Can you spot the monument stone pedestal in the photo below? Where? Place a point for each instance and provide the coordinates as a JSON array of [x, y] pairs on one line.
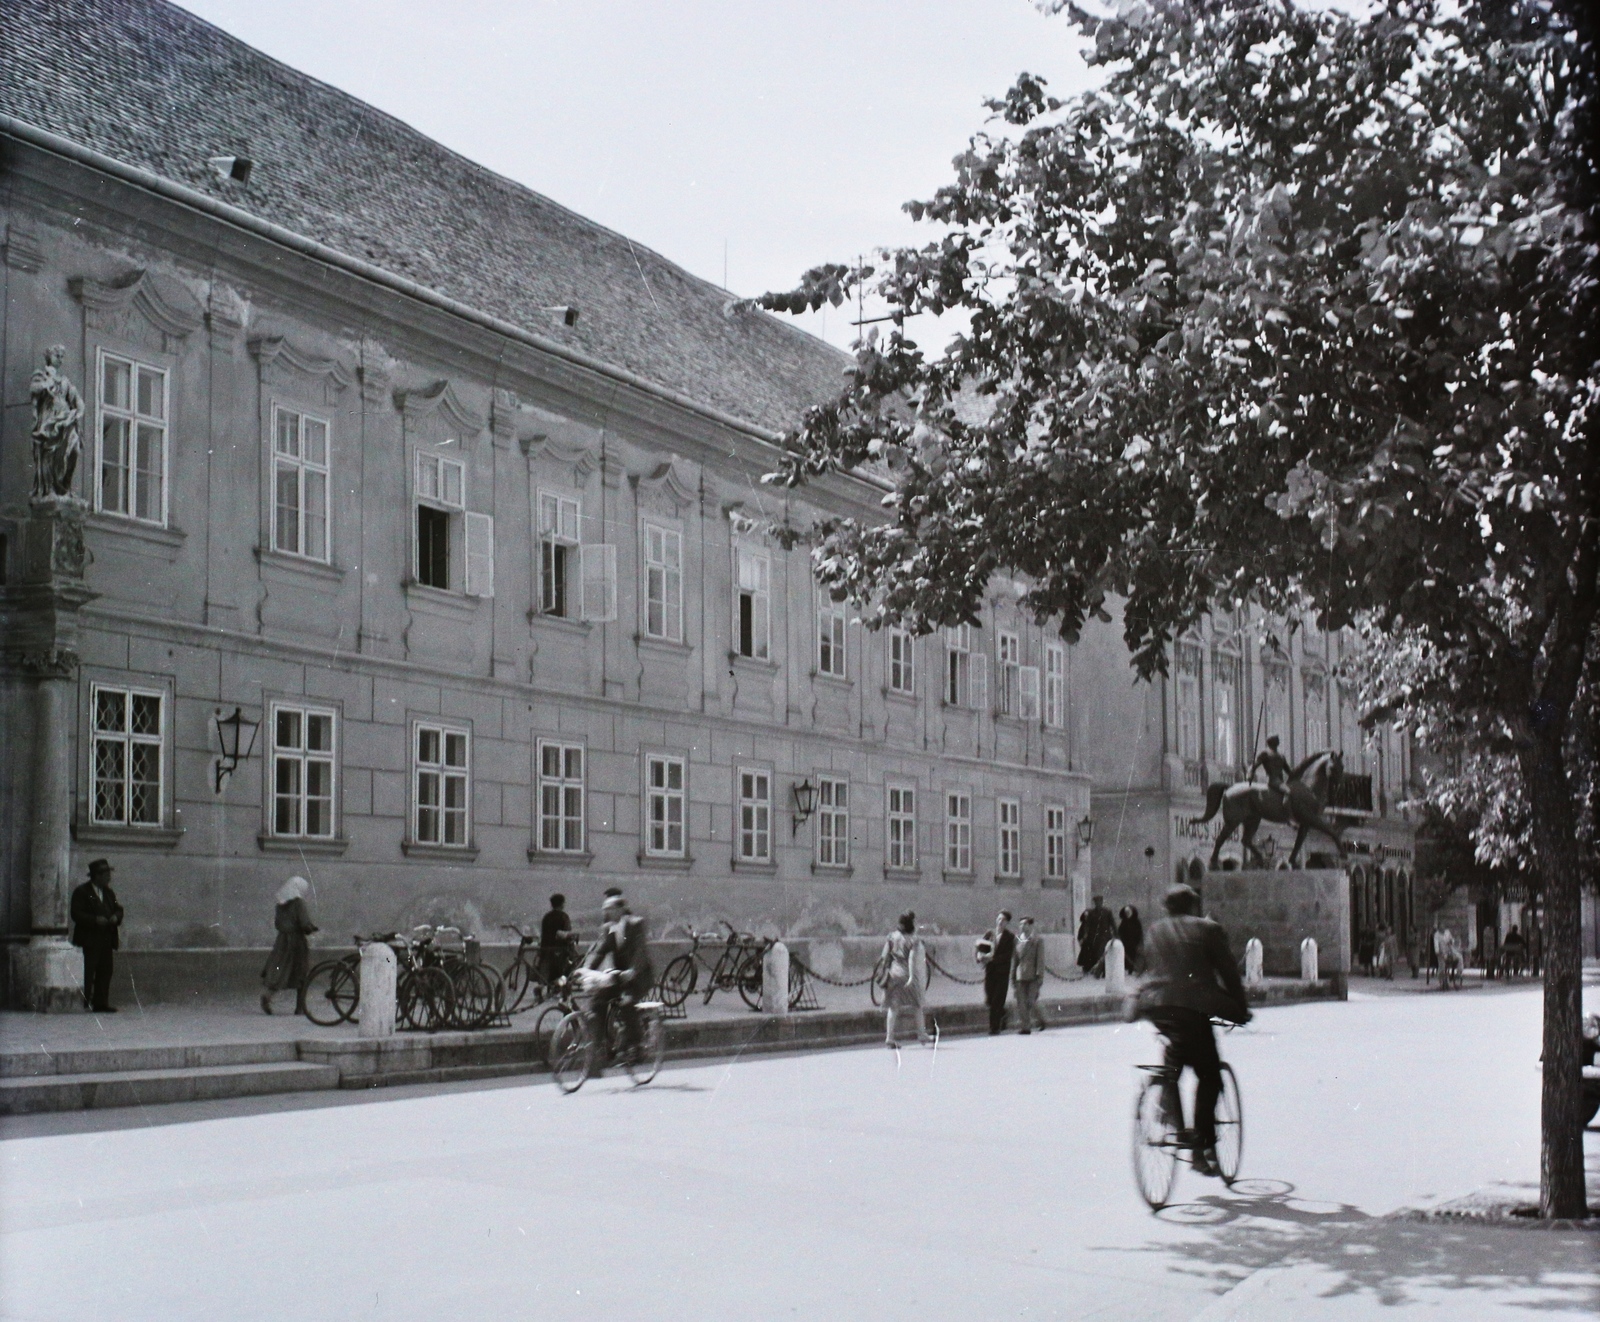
[[48, 975]]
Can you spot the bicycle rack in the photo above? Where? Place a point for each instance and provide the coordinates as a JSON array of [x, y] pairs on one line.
[[808, 998]]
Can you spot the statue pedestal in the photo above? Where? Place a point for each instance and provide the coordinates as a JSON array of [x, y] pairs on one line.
[[47, 976]]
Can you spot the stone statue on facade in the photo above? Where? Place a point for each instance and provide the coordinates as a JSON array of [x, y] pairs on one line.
[[57, 411]]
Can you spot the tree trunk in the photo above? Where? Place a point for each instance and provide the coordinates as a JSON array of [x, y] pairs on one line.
[[1561, 1173]]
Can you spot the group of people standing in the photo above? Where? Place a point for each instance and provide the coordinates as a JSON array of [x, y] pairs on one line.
[[1096, 930]]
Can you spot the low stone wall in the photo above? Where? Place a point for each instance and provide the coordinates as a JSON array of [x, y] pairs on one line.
[[1282, 908]]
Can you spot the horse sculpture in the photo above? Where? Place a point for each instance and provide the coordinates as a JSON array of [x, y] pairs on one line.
[[1248, 804]]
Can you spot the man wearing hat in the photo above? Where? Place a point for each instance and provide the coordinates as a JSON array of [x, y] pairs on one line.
[[625, 942], [1191, 976], [96, 922]]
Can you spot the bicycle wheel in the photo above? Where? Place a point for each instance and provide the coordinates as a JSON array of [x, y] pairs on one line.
[[473, 996], [570, 1051], [545, 1025], [1155, 1146], [749, 981], [677, 981], [330, 993], [645, 1063], [1230, 1126], [880, 972], [426, 999], [520, 982]]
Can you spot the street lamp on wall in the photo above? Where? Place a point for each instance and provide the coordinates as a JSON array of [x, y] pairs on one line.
[[231, 735], [805, 803], [1085, 833]]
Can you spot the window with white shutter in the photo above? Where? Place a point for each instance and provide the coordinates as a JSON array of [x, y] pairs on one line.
[[1028, 692], [480, 555], [599, 574]]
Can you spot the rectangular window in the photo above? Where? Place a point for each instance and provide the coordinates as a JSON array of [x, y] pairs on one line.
[[1008, 819], [1227, 715], [440, 786], [958, 832], [830, 637], [302, 772], [560, 797], [1055, 844], [128, 761], [755, 816], [1055, 685], [902, 662], [1316, 688], [440, 498], [131, 472], [663, 583], [1008, 657], [665, 804], [902, 833], [1189, 702], [299, 484], [559, 520], [753, 604], [833, 822], [958, 664]]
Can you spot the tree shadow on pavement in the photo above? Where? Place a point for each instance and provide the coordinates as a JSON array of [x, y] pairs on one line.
[[1343, 1251]]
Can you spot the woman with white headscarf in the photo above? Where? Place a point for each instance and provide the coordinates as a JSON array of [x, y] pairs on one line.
[[290, 959]]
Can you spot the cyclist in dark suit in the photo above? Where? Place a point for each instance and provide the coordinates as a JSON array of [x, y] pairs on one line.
[[1191, 978], [626, 943]]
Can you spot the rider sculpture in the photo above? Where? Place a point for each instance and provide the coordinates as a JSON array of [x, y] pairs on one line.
[[1294, 796]]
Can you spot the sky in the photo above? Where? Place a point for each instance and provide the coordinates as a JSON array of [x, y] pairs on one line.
[[744, 141]]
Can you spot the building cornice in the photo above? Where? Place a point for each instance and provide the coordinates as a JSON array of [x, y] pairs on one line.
[[241, 219]]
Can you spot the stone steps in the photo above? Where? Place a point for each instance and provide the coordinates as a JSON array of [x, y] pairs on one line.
[[24, 1095]]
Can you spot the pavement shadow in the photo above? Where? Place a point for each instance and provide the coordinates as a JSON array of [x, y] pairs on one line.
[[1389, 1261]]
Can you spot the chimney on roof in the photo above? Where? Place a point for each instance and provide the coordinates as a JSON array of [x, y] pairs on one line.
[[234, 169]]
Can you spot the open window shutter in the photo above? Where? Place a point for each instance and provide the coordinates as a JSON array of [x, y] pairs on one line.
[[480, 555], [598, 570], [1028, 682], [979, 681]]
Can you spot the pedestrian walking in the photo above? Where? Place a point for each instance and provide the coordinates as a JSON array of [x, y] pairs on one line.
[[1027, 975], [1130, 931], [97, 928], [997, 970], [556, 955], [290, 959], [902, 989], [1095, 929]]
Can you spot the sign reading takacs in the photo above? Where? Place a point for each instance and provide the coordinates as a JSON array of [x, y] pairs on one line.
[[1187, 830]]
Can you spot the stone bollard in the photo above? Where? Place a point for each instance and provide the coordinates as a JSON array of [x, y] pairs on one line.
[[775, 980], [378, 970], [1308, 959], [1116, 969], [919, 966], [1252, 963]]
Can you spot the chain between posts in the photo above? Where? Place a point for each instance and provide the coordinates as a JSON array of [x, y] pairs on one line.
[[940, 968], [832, 982]]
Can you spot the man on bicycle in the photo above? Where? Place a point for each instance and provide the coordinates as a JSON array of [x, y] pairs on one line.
[[1191, 979], [624, 942]]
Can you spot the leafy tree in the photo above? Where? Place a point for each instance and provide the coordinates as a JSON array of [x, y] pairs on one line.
[[1293, 307]]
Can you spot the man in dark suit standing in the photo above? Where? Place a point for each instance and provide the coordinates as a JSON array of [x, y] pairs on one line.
[[96, 924], [997, 971], [625, 942]]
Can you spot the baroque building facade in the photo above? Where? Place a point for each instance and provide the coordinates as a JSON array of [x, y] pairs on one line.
[[418, 544]]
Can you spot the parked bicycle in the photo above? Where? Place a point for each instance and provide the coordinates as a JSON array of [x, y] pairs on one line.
[[531, 978], [1159, 1141], [577, 1054], [439, 983], [739, 967]]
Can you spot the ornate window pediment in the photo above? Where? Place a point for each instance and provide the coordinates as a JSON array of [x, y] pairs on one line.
[[583, 460], [442, 402], [284, 364], [166, 308], [670, 489]]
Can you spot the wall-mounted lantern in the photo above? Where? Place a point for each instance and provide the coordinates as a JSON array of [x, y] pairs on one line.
[[234, 732], [1085, 833], [805, 803]]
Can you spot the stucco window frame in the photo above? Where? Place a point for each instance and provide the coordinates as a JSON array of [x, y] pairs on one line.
[[100, 345], [411, 845], [267, 840], [647, 858], [169, 830]]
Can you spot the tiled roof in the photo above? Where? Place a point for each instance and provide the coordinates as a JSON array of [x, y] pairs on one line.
[[153, 86]]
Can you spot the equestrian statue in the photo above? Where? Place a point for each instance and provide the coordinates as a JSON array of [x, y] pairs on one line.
[[1293, 796]]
